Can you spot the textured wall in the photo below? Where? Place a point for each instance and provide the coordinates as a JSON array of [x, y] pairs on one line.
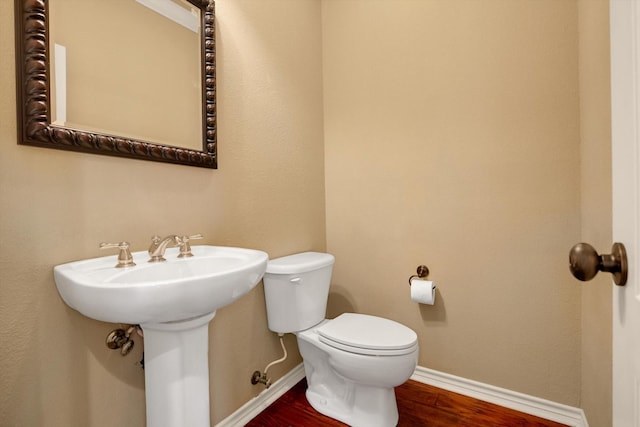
[[452, 139], [57, 206], [595, 151]]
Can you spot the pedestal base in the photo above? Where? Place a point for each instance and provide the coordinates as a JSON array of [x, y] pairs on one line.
[[176, 365]]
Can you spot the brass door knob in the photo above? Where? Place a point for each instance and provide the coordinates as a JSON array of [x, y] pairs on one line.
[[584, 262]]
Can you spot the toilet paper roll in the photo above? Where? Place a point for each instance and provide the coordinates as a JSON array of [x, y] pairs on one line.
[[423, 291]]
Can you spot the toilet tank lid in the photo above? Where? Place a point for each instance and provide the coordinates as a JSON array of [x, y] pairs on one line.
[[299, 263]]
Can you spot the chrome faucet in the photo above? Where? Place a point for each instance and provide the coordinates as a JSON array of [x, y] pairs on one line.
[[158, 246]]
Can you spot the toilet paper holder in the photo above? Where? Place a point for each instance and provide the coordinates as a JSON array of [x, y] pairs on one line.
[[422, 273]]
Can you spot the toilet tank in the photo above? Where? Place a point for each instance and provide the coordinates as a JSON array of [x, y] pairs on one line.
[[296, 289]]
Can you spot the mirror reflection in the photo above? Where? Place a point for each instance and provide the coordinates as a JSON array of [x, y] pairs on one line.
[[135, 72]]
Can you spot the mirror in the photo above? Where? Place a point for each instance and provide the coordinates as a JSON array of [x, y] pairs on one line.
[[46, 120]]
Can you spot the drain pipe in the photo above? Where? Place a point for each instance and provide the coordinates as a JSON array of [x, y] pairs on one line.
[[261, 377]]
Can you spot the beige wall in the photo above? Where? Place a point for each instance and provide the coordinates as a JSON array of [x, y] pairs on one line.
[[595, 178], [452, 140], [453, 133], [57, 206]]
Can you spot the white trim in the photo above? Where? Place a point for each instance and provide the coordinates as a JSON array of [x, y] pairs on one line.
[[625, 143], [252, 408], [188, 18], [531, 405], [542, 408], [60, 83]]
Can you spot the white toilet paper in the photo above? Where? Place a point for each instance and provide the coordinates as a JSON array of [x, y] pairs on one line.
[[423, 291]]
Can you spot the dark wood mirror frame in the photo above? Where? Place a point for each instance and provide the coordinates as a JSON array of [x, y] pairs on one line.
[[34, 102]]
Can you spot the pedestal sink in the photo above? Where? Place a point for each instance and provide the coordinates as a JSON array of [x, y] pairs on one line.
[[173, 301]]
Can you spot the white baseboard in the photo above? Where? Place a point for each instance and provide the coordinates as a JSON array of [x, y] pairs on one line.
[[542, 408], [252, 408], [531, 405]]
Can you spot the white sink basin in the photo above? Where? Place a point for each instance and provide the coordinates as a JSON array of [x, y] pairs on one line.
[[173, 301], [174, 290]]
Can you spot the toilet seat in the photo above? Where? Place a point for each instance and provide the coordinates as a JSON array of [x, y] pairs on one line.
[[368, 335]]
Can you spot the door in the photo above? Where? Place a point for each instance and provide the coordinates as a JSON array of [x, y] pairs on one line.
[[625, 123]]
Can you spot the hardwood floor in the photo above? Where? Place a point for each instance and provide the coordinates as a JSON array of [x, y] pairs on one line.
[[419, 405]]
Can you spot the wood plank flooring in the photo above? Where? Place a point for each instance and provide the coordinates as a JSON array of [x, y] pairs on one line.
[[419, 405]]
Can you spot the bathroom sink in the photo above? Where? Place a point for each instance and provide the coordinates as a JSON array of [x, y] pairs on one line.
[[173, 301], [175, 290]]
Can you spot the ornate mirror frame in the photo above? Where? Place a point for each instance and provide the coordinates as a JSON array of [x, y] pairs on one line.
[[34, 99]]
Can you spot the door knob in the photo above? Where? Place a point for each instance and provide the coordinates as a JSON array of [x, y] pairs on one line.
[[584, 262]]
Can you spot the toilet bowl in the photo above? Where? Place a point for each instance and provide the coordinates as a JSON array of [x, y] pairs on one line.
[[353, 362]]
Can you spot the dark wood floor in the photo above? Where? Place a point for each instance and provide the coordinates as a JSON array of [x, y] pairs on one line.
[[419, 405]]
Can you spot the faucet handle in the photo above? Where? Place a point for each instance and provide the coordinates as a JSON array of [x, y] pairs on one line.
[[185, 247], [124, 257]]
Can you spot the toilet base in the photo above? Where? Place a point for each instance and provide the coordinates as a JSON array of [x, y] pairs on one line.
[[353, 388], [360, 406]]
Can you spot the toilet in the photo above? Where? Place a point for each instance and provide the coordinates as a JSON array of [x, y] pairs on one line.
[[353, 362]]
